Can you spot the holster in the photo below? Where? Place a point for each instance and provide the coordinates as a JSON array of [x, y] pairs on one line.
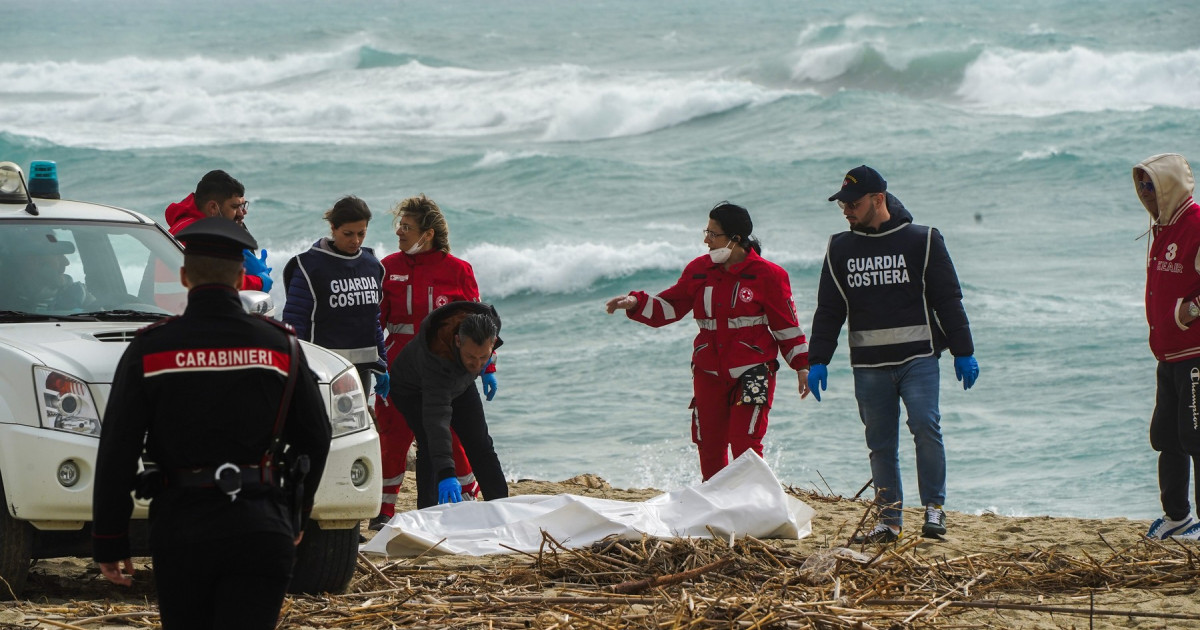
[[149, 483], [294, 472]]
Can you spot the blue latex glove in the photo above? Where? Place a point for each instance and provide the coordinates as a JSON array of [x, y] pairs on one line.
[[818, 378], [449, 491], [489, 385], [383, 384], [966, 369], [256, 266]]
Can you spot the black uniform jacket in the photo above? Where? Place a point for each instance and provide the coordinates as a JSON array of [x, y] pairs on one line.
[[200, 390], [430, 368]]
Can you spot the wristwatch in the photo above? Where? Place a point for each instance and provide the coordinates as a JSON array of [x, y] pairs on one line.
[[1193, 310]]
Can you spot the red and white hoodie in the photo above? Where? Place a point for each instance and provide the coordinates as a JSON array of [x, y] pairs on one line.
[[1173, 261]]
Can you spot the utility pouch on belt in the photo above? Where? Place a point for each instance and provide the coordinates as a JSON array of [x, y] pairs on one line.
[[754, 385], [149, 483]]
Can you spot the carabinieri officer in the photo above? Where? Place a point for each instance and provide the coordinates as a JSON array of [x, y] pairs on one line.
[[213, 397]]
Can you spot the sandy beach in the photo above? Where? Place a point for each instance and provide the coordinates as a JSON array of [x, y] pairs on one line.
[[990, 572]]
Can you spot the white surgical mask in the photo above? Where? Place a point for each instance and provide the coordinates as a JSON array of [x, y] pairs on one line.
[[415, 249], [721, 254]]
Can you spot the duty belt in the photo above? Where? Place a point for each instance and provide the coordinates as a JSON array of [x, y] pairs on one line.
[[228, 478]]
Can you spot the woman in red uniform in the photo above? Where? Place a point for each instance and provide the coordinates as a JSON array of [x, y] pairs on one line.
[[419, 278], [743, 305]]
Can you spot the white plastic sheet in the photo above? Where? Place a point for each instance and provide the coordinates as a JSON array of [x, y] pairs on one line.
[[743, 499]]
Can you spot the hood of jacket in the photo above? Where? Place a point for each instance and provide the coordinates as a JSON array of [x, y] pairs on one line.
[[184, 210], [1173, 185], [899, 216]]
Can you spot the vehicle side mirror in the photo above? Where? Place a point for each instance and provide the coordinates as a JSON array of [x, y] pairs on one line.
[[257, 303]]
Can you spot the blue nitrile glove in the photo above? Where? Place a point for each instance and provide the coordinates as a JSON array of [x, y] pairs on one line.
[[449, 491], [490, 385], [966, 369], [383, 384], [256, 266], [818, 377]]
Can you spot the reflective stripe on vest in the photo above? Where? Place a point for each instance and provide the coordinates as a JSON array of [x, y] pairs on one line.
[[736, 322], [889, 336], [401, 329], [369, 354]]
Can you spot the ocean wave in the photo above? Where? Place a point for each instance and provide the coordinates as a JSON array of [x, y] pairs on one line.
[[354, 94], [568, 268], [495, 158], [1080, 79], [998, 79], [504, 271]]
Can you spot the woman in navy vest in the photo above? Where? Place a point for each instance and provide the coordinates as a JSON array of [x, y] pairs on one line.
[[333, 293]]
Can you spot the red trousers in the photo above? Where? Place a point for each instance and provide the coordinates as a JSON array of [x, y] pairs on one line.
[[395, 439], [718, 424]]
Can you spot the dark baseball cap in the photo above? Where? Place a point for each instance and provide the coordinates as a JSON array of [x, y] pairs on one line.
[[217, 237], [861, 180]]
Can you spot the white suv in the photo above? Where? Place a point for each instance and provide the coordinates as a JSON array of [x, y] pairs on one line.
[[67, 312]]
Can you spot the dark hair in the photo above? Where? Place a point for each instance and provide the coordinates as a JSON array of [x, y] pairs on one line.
[[478, 327], [211, 270], [348, 209], [217, 186], [735, 222]]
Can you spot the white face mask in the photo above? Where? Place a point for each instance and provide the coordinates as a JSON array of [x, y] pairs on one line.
[[721, 254], [415, 249]]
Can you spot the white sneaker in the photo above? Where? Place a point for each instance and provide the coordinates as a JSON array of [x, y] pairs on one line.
[[1163, 528], [1191, 533]]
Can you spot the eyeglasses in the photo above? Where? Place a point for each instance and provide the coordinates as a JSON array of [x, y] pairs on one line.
[[712, 234], [406, 228], [853, 206], [1146, 186], [242, 206]]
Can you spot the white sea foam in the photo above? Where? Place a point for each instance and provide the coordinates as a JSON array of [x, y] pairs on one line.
[[132, 102], [496, 158], [1081, 79], [561, 268], [569, 268]]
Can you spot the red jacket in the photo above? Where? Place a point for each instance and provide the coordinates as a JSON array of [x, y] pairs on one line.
[[746, 315], [413, 286], [184, 213], [1172, 276]]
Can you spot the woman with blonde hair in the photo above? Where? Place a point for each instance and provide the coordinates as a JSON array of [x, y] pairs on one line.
[[419, 278]]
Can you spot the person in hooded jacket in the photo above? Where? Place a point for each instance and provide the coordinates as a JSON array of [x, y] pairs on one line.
[[434, 389], [895, 284], [743, 306], [219, 194], [419, 278], [1164, 184], [333, 293]]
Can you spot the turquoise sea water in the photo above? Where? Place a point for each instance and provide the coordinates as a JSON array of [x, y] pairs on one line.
[[577, 147]]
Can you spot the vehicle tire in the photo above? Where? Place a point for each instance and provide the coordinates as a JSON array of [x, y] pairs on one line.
[[16, 550], [325, 560]]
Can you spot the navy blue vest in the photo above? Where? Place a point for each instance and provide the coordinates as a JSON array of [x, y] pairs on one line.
[[346, 292], [882, 278]]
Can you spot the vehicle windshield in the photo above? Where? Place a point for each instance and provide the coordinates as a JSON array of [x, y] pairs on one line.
[[89, 269]]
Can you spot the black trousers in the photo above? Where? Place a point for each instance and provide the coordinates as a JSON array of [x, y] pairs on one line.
[[468, 422], [1175, 434], [237, 582]]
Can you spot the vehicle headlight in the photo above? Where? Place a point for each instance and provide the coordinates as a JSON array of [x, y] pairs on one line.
[[347, 404], [65, 402]]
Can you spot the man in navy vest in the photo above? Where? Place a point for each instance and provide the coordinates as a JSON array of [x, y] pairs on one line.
[[894, 282]]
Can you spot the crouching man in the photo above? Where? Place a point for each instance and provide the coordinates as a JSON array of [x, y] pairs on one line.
[[433, 385]]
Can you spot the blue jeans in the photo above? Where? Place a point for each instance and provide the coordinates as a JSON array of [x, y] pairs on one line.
[[879, 392]]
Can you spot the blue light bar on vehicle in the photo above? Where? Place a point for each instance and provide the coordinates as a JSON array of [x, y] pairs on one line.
[[43, 179]]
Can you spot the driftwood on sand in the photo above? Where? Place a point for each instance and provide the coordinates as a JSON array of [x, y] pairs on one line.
[[747, 583]]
